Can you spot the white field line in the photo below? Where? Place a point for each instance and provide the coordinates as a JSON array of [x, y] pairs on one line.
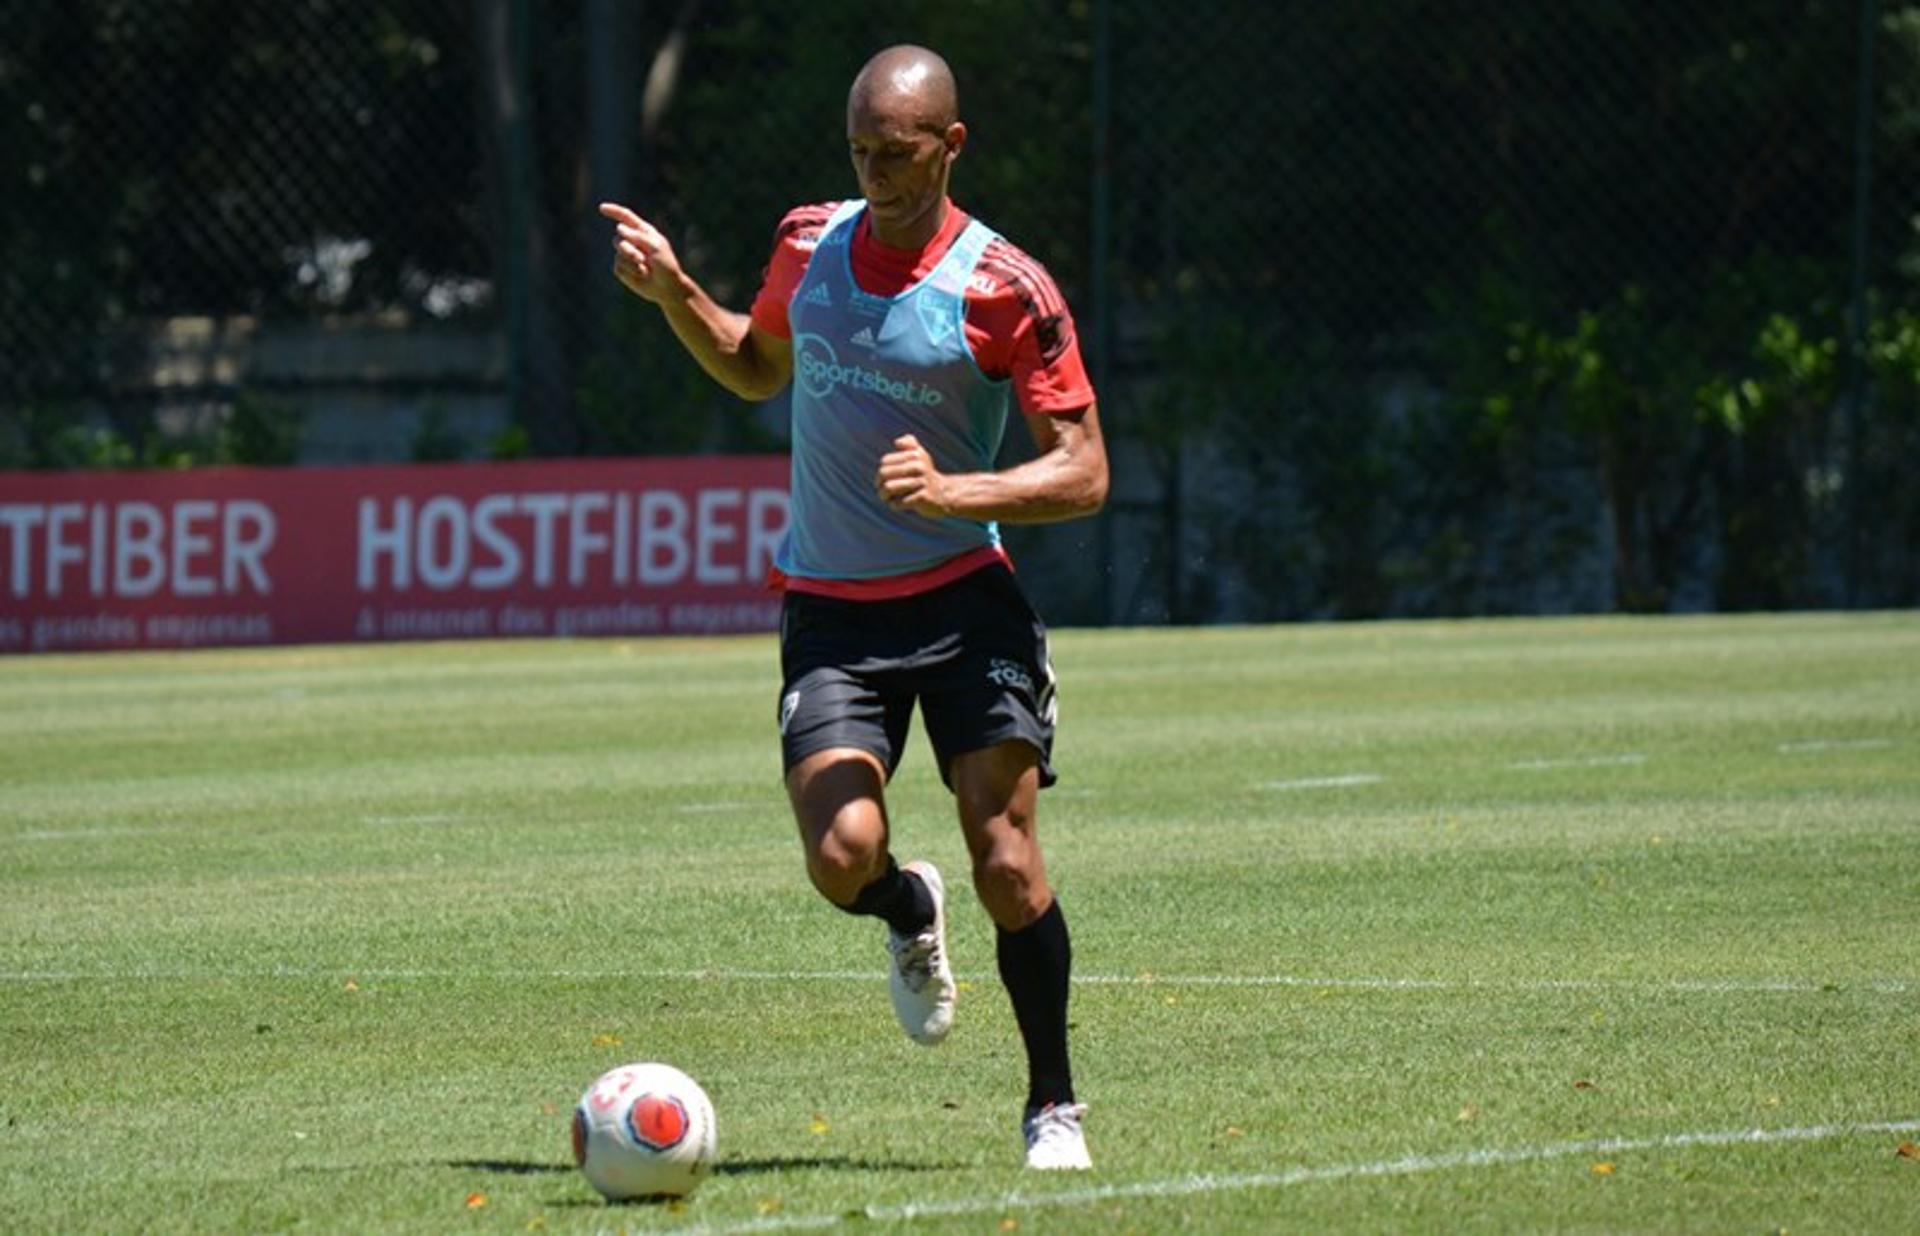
[[88, 834], [1881, 986], [1324, 783], [1020, 1200], [1365, 983], [1588, 761], [1834, 744]]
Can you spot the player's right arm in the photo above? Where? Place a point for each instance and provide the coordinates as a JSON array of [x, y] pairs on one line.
[[744, 358]]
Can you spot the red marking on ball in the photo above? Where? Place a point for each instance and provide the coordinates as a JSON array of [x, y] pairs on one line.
[[579, 1137], [658, 1121]]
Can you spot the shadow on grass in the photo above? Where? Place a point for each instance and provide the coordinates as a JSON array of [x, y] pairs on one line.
[[824, 1163], [510, 1167], [731, 1167], [726, 1167]]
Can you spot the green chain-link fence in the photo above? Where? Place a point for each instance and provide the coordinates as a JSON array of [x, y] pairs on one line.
[[1490, 308], [1397, 307]]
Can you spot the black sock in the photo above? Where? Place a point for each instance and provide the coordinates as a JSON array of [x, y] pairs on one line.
[[1036, 963], [899, 897]]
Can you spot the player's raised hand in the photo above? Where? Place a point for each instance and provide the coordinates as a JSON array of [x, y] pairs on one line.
[[909, 478], [643, 259]]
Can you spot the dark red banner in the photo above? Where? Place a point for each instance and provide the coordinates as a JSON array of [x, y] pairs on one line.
[[446, 551]]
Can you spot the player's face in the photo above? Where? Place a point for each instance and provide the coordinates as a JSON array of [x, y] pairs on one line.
[[902, 164]]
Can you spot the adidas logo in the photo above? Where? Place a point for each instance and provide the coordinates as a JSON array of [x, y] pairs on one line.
[[864, 338], [818, 295]]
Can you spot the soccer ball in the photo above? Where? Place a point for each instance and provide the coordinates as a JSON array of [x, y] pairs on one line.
[[644, 1130]]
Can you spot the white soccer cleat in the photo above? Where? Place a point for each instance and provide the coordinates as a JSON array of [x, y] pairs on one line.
[[921, 980], [1055, 1140]]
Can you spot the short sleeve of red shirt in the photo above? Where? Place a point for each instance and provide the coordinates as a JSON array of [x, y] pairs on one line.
[[1018, 324], [793, 243], [1020, 328]]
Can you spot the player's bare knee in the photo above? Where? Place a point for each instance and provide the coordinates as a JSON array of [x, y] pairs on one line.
[[846, 854], [1011, 884]]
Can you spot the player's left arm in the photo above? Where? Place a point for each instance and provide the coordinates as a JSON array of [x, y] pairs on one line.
[[1065, 480], [1025, 334]]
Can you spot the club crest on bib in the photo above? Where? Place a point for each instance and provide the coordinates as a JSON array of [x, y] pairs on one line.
[[936, 317]]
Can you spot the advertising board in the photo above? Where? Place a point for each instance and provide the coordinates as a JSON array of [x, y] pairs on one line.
[[223, 556]]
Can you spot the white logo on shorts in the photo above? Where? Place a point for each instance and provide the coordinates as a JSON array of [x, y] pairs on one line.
[[1010, 674], [789, 703]]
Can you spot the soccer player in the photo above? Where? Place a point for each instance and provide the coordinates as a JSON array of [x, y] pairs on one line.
[[904, 325]]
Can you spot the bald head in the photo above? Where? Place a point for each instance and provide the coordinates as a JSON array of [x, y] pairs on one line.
[[908, 81], [904, 132]]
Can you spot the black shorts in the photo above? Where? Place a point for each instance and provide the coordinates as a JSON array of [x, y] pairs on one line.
[[972, 652]]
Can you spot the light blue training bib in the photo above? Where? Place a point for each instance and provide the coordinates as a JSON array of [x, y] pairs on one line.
[[867, 369]]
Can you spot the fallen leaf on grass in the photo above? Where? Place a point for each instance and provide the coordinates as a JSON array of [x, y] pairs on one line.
[[1584, 1084], [1468, 1114], [606, 1040], [350, 987], [1009, 1224], [1907, 1150], [1603, 1169], [818, 1126], [768, 1206], [476, 1200]]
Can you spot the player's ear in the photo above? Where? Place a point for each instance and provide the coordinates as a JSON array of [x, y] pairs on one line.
[[954, 138]]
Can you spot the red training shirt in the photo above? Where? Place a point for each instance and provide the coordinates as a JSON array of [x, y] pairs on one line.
[[1018, 324]]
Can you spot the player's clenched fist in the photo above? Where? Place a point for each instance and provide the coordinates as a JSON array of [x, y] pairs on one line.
[[909, 479], [643, 259]]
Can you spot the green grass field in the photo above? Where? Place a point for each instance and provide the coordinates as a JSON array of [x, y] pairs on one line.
[[1580, 924]]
